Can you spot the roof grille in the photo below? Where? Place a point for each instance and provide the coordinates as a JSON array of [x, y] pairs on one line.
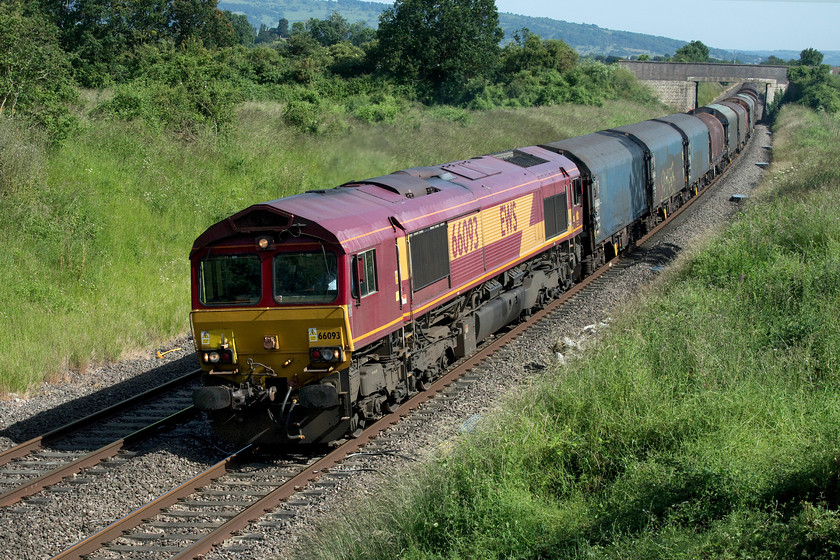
[[520, 158]]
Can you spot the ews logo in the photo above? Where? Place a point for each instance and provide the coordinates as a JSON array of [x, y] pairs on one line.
[[507, 216]]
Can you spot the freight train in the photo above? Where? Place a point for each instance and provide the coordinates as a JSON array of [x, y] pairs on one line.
[[315, 313]]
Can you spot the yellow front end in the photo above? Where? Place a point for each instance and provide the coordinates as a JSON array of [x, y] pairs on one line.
[[258, 360], [279, 338]]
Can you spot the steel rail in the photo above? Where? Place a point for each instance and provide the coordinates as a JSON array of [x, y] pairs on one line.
[[107, 534], [93, 458], [36, 443]]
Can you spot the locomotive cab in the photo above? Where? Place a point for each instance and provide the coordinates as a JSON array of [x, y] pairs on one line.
[[271, 331]]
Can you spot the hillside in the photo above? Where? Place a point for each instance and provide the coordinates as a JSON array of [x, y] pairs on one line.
[[585, 39]]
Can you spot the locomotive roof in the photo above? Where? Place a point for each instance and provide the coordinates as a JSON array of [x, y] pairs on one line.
[[361, 214]]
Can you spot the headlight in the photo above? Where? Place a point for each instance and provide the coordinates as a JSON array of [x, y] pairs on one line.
[[223, 356], [326, 354]]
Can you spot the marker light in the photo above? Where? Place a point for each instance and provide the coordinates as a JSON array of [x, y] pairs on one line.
[[223, 356], [264, 242]]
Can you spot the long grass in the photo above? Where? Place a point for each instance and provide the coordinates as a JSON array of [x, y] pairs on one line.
[[704, 424], [94, 235]]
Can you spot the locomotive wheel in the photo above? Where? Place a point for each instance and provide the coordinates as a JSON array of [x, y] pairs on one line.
[[357, 425]]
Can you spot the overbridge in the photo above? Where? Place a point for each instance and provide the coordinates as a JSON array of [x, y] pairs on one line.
[[676, 83]]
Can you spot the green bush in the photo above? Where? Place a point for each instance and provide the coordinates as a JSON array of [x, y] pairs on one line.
[[184, 108], [589, 83], [814, 87], [384, 111], [303, 115]]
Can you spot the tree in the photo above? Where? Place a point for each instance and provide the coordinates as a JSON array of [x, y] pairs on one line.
[[200, 19], [644, 57], [283, 27], [774, 61], [529, 52], [330, 31], [810, 57], [266, 35], [301, 43], [34, 71], [694, 51], [360, 33], [336, 29], [243, 31], [442, 45]]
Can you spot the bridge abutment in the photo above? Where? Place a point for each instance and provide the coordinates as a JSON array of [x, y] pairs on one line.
[[679, 95]]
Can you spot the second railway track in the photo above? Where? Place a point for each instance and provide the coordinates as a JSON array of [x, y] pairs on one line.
[[43, 461]]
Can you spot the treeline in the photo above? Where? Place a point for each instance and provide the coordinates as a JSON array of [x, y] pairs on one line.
[[807, 57], [184, 64], [811, 83]]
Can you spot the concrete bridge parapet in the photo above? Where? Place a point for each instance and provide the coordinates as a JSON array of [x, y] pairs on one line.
[[675, 83]]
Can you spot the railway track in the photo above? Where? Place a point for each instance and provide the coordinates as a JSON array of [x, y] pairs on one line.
[[83, 445], [206, 510]]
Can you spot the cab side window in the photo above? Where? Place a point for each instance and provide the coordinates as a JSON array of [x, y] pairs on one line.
[[364, 274]]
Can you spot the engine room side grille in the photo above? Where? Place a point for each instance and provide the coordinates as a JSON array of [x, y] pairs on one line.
[[428, 263]]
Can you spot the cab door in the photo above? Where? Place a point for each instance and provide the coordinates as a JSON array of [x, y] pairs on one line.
[[376, 295]]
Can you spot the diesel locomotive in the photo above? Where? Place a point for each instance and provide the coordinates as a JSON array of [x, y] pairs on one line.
[[315, 313]]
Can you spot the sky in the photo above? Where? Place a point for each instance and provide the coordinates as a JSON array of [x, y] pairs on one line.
[[773, 24]]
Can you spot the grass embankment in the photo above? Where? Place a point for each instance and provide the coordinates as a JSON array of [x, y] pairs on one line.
[[94, 236], [703, 425], [708, 92]]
